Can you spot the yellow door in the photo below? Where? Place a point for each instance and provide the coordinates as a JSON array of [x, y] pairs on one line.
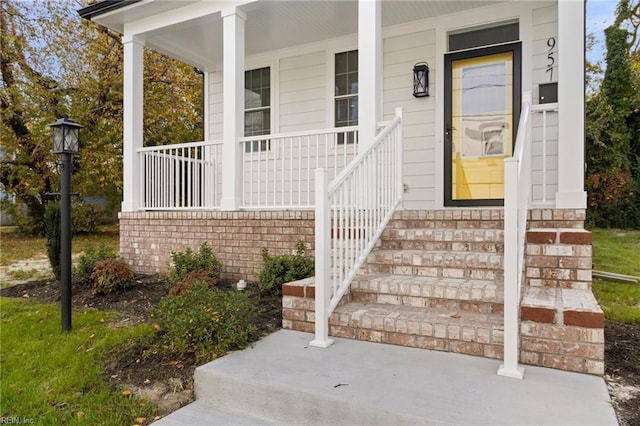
[[479, 124]]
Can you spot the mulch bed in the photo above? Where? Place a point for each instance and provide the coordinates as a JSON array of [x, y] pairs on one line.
[[169, 382], [622, 367]]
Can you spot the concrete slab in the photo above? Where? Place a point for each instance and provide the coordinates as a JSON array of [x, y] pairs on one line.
[[283, 380], [199, 413]]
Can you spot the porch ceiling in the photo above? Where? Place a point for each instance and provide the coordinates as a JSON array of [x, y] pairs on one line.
[[270, 25]]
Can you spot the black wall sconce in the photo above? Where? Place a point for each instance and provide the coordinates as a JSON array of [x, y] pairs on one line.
[[421, 80]]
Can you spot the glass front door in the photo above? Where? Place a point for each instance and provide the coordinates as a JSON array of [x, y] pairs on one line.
[[482, 104]]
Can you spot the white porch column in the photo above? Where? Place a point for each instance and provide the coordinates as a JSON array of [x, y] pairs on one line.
[[369, 69], [571, 193], [132, 121], [233, 104]]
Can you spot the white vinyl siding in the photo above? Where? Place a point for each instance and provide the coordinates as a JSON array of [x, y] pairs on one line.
[[401, 53], [302, 92], [215, 106], [545, 26]]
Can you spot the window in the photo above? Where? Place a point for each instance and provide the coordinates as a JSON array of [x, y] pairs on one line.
[[346, 94], [257, 107]]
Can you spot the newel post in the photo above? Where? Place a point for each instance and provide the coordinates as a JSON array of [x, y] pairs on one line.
[[322, 246]]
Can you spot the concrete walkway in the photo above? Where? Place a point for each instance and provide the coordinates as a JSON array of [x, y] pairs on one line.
[[281, 380]]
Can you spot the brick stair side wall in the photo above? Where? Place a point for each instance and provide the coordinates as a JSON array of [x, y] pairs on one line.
[[559, 256], [237, 238]]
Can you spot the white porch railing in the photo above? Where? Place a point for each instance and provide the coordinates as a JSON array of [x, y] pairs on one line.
[[544, 154], [517, 190], [350, 215], [278, 170], [184, 176]]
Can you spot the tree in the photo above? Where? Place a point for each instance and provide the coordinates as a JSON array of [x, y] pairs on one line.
[[54, 64], [612, 183]]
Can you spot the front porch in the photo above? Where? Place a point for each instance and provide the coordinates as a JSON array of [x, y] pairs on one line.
[[283, 381], [404, 157]]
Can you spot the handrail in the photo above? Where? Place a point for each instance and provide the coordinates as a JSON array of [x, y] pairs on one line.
[[179, 145], [517, 190], [298, 134], [354, 164], [350, 215]]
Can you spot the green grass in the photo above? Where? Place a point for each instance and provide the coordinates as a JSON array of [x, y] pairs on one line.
[[53, 377], [15, 246], [619, 301], [617, 251]]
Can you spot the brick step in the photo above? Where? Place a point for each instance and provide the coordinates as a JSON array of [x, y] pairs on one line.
[[437, 264], [446, 293], [561, 306], [455, 246], [471, 333], [449, 215]]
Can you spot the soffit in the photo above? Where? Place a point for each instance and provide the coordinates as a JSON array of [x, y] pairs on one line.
[[272, 25]]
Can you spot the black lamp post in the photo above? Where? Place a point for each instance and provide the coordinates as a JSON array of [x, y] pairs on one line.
[[66, 140]]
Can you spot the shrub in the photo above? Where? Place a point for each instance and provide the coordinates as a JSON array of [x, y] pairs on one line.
[[186, 283], [85, 218], [52, 231], [111, 275], [190, 261], [88, 261], [277, 270], [207, 322]]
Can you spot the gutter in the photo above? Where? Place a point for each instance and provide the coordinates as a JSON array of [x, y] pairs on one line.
[[104, 6]]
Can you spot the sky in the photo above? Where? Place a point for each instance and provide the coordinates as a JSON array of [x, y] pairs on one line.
[[600, 14]]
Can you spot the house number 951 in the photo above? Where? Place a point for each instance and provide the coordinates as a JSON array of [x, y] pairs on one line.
[[551, 44]]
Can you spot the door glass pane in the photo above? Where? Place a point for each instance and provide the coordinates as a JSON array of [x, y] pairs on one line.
[[482, 121], [483, 111]]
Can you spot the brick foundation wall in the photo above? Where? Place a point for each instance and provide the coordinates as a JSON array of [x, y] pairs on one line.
[[237, 238]]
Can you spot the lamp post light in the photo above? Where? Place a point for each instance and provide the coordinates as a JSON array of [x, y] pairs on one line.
[[66, 140]]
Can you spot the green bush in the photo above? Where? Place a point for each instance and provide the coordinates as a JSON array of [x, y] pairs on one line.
[[190, 261], [187, 281], [207, 322], [111, 275], [85, 218], [88, 260], [277, 270], [52, 231]]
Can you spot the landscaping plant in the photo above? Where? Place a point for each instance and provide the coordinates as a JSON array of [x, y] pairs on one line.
[[207, 322], [277, 270], [88, 261], [189, 265], [112, 275]]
